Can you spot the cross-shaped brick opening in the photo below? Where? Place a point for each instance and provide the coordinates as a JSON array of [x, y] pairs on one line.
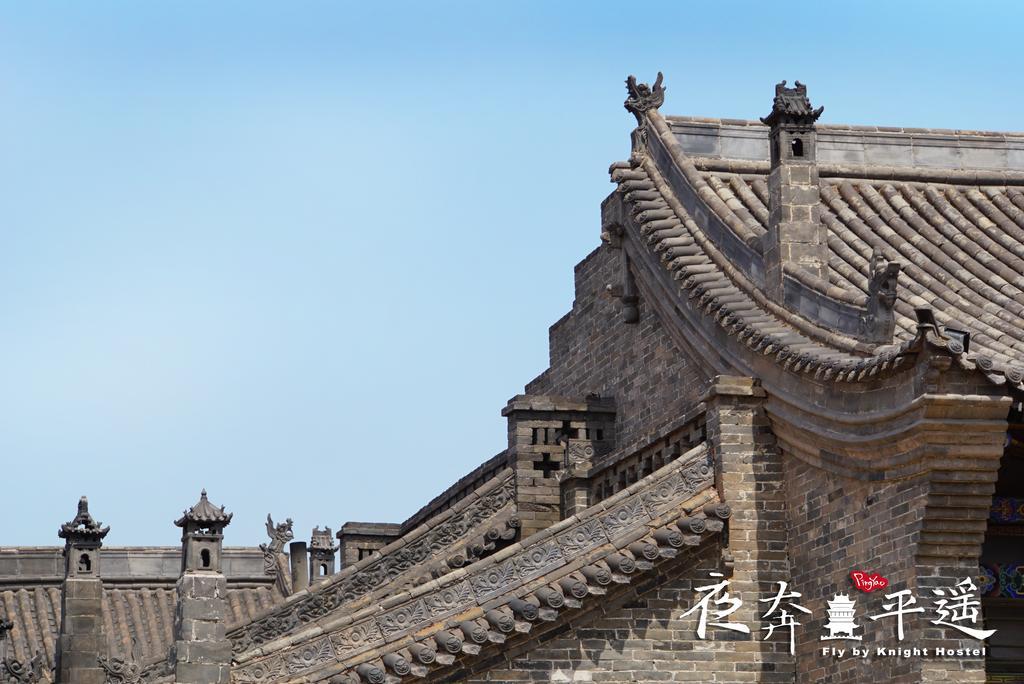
[[547, 466], [568, 431]]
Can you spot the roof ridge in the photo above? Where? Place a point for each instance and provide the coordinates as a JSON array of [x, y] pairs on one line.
[[551, 570], [920, 174], [411, 550], [905, 130], [892, 358]]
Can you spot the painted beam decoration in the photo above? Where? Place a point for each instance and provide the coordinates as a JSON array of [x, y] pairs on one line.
[[1007, 510], [1002, 580]]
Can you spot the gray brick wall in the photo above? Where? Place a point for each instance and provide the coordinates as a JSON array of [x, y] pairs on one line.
[[839, 524], [593, 352], [639, 634]]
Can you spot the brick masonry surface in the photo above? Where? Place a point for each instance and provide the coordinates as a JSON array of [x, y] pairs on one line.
[[640, 635], [838, 525], [592, 351]]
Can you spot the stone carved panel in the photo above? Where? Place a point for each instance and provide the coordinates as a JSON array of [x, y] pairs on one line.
[[579, 453], [267, 670], [662, 493], [403, 618], [624, 516], [538, 559], [363, 635], [310, 655], [681, 484], [582, 538], [317, 607], [694, 477], [494, 580], [449, 598]]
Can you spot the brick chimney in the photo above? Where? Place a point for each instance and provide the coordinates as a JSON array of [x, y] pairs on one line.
[[82, 639], [202, 651], [544, 432], [796, 236]]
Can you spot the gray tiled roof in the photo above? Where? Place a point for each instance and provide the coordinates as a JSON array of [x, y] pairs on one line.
[[143, 613], [958, 233]]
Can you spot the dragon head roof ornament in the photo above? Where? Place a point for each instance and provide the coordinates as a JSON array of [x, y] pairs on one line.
[[643, 98]]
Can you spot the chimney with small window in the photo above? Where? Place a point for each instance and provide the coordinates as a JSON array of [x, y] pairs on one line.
[[322, 552], [202, 651], [81, 606], [796, 239]]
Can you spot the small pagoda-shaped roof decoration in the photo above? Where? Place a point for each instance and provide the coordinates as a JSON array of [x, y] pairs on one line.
[[792, 106], [83, 527], [204, 514], [322, 540]]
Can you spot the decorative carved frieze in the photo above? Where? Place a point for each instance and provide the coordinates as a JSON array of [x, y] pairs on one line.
[[538, 559], [624, 516], [348, 587], [542, 557], [311, 655], [449, 598], [363, 635], [494, 580], [403, 617], [582, 538], [267, 670]]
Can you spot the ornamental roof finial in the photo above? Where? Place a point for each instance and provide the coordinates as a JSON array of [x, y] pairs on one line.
[[643, 97], [204, 514], [792, 106], [82, 527]]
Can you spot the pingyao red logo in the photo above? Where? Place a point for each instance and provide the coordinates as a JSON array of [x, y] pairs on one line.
[[868, 582]]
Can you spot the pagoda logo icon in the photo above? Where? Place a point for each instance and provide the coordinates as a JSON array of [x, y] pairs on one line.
[[840, 623]]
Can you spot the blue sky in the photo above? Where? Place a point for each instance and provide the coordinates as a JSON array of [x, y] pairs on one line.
[[301, 253]]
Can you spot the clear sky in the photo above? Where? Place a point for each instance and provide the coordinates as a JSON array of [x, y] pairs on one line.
[[302, 253]]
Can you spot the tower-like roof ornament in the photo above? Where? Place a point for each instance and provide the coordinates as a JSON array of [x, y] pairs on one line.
[[204, 514], [322, 540], [792, 106], [83, 527], [643, 97]]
